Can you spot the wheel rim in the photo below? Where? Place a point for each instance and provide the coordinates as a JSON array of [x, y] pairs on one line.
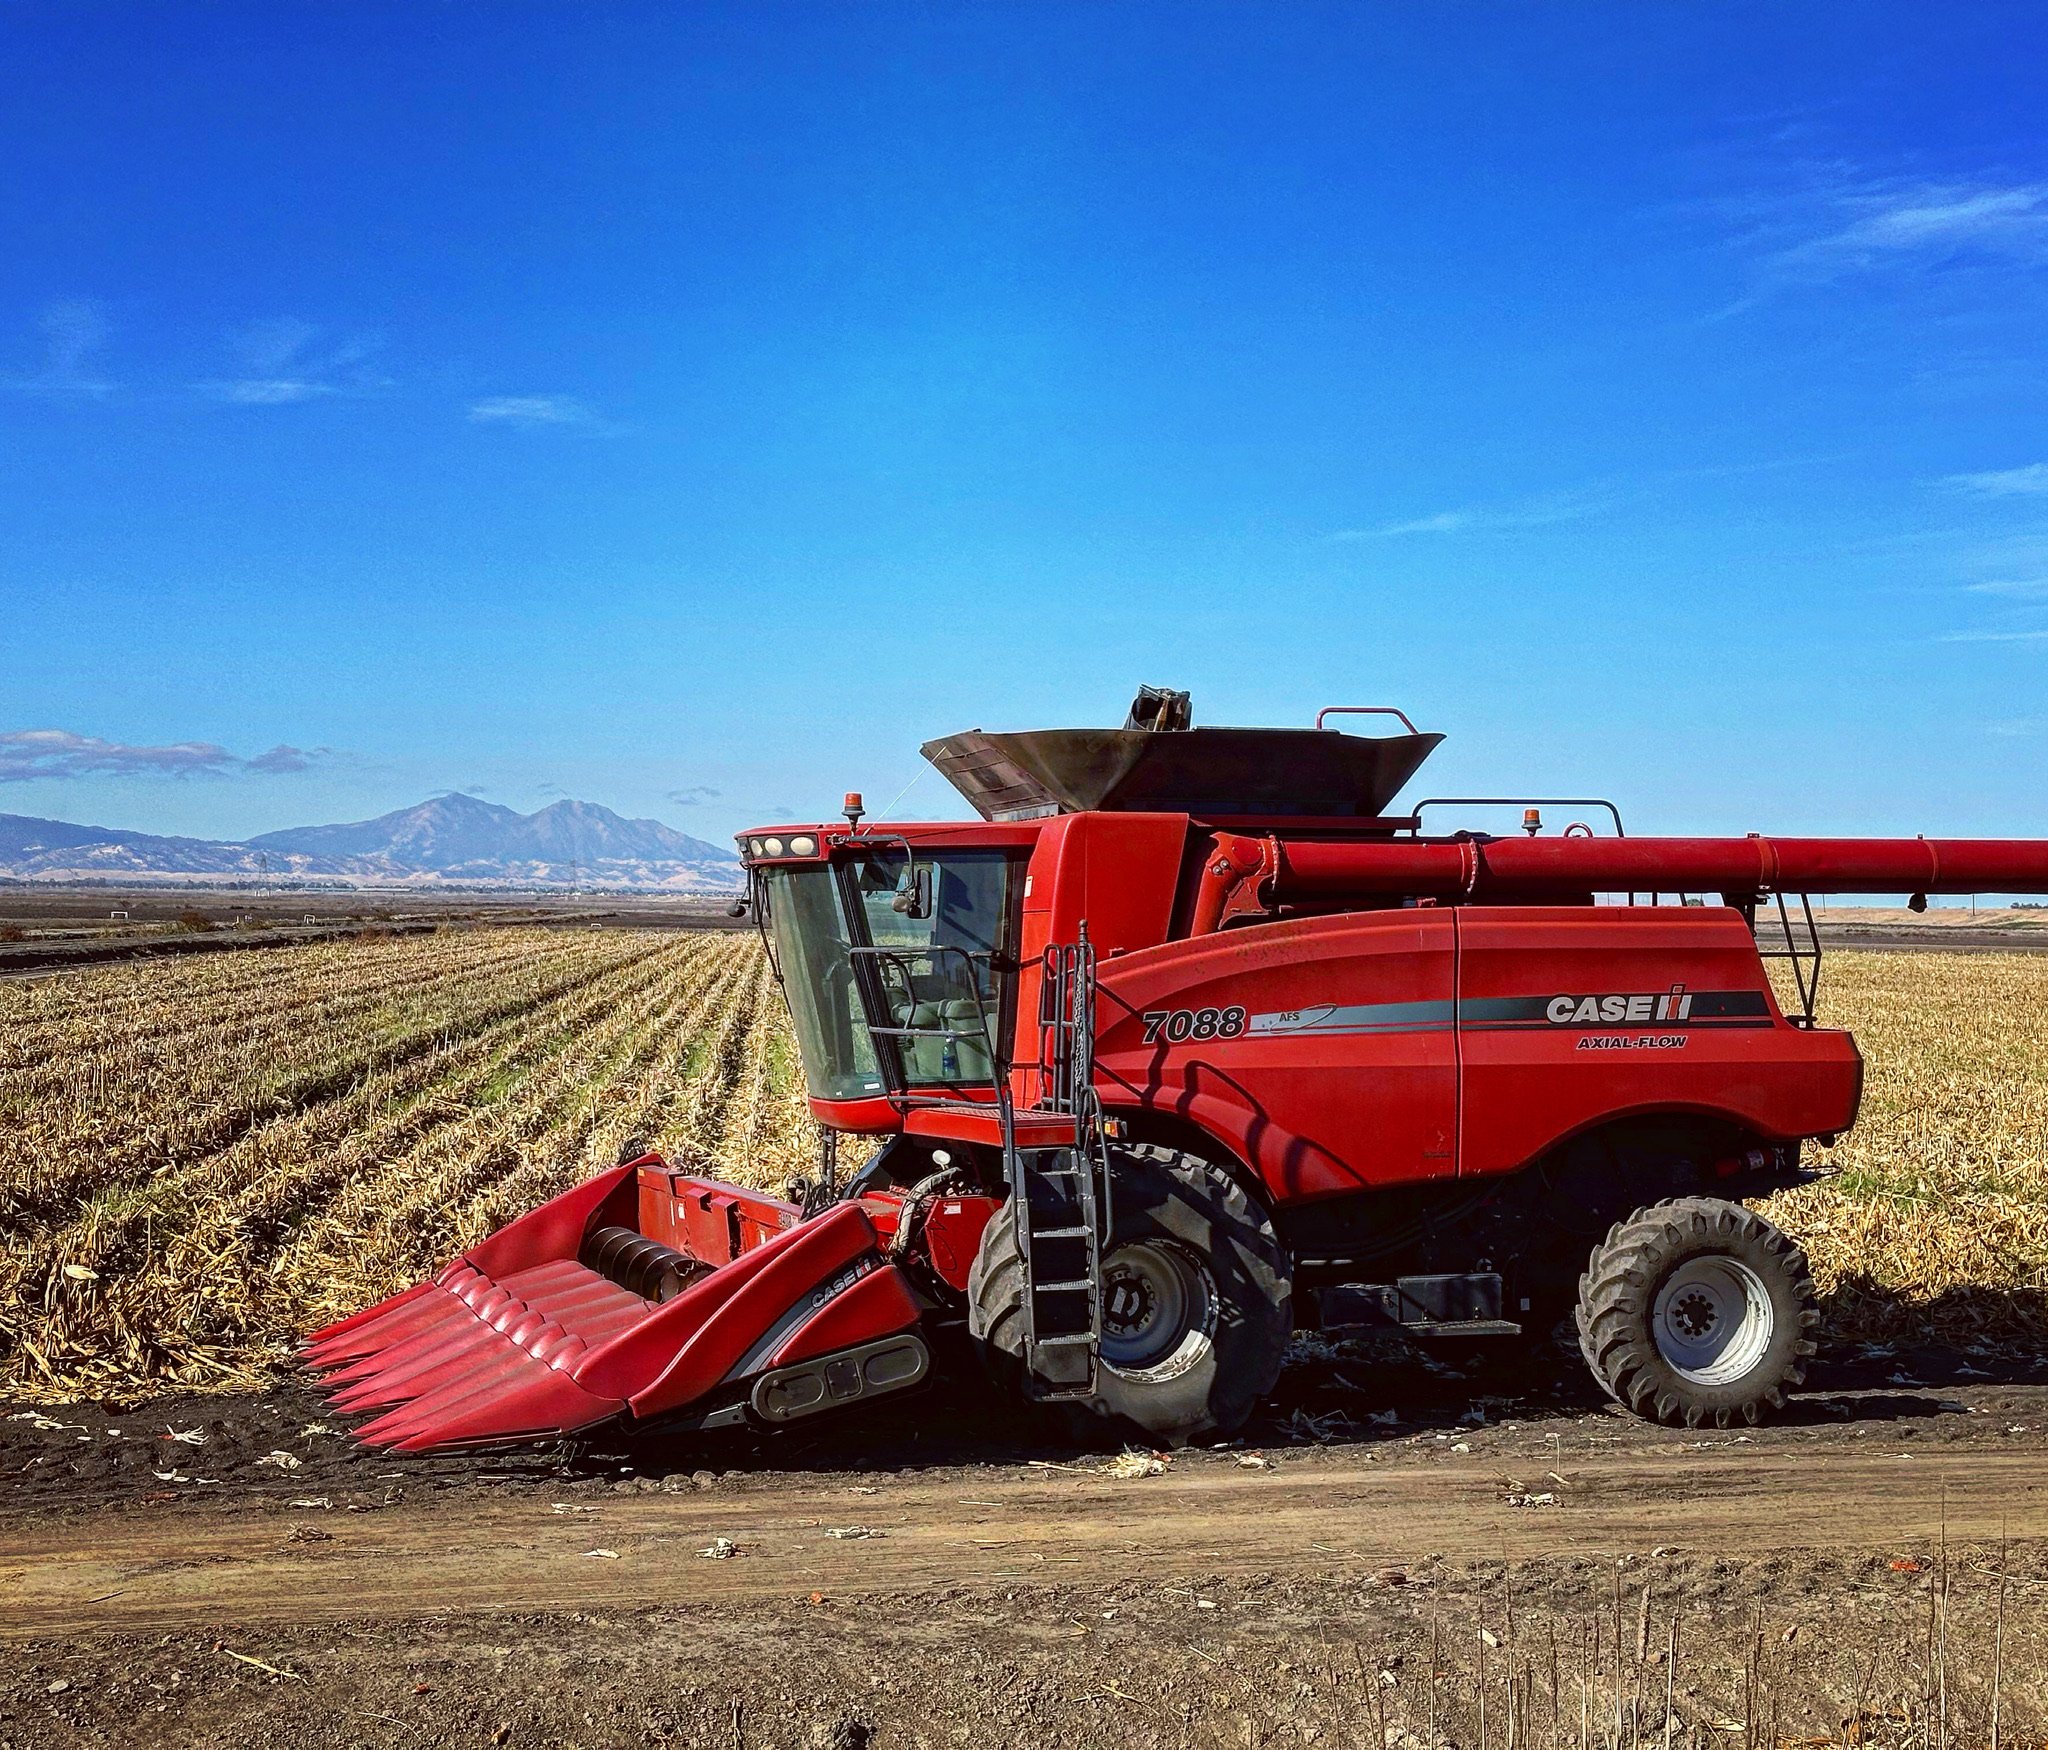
[[1158, 1309], [1713, 1320]]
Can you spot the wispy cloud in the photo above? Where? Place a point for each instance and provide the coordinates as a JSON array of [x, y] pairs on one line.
[[285, 360], [1828, 220], [2017, 727], [272, 391], [59, 753], [533, 410], [2032, 480], [694, 796], [72, 332], [2034, 637], [2023, 589], [1890, 221], [1480, 519]]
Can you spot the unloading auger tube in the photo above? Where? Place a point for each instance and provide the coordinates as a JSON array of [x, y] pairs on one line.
[[1245, 872], [1338, 1074]]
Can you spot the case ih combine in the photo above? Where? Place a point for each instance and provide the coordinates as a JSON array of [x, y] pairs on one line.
[[1188, 1042]]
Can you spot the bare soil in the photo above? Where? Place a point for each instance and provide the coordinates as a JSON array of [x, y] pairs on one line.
[[1394, 1539]]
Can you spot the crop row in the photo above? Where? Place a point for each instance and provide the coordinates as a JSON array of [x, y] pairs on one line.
[[242, 1182]]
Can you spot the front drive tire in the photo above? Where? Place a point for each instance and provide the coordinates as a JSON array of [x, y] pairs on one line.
[[1197, 1300], [1697, 1310]]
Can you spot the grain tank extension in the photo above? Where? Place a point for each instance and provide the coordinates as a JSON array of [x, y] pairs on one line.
[[1188, 1040]]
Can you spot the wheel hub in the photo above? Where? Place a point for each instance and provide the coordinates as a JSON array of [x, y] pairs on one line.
[[1713, 1320], [1156, 1301], [1129, 1306], [1695, 1313]]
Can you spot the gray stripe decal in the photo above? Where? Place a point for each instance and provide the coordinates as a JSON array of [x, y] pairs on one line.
[[1733, 1008], [1430, 1017], [1695, 1025], [1484, 1009]]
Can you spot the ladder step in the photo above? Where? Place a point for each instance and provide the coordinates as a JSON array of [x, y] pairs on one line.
[[1060, 1233], [1064, 1342], [1061, 1287]]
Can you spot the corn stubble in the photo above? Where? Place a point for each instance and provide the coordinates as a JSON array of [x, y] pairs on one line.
[[1936, 1223], [200, 1160]]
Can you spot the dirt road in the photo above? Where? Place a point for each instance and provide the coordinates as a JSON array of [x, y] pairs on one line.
[[1343, 1577], [244, 1563]]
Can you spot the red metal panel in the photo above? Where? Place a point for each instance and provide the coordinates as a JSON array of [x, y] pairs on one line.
[[556, 1228], [1118, 873], [707, 1219], [691, 1342], [1042, 1130], [1530, 1078], [1342, 1072], [869, 1117], [884, 1210], [875, 1306], [951, 1234]]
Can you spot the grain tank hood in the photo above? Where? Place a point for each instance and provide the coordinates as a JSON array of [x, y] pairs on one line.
[[1171, 768]]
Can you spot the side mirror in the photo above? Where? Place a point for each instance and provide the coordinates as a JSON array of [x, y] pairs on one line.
[[914, 895]]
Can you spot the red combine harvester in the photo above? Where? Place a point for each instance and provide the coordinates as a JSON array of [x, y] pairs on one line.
[[1185, 1044]]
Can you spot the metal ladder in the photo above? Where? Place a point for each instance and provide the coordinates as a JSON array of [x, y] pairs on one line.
[[1059, 1197]]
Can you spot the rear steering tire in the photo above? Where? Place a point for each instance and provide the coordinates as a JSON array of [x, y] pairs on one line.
[[1197, 1300], [1697, 1310]]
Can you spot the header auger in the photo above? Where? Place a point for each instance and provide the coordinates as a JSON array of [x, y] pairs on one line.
[[1185, 1043]]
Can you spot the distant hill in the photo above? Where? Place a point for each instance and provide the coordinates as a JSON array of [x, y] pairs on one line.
[[451, 839], [32, 847]]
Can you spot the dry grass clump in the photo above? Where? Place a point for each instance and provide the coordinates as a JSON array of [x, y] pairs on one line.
[[1937, 1222], [200, 1161]]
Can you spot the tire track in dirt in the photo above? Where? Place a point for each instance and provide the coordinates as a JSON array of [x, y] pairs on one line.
[[140, 1571]]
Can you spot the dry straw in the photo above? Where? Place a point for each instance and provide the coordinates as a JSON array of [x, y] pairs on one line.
[[199, 1160]]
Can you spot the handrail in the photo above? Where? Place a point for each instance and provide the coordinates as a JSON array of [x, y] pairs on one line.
[[1407, 722], [1620, 831]]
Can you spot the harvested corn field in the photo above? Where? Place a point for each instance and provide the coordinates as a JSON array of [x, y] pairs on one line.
[[200, 1161], [1937, 1219]]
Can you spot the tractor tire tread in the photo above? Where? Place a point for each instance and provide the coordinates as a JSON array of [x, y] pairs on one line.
[[1221, 1221], [1617, 1291]]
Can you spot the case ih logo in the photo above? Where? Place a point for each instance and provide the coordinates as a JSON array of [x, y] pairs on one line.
[[861, 1266], [1640, 1008]]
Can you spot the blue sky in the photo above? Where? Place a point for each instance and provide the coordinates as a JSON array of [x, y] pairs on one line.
[[693, 408]]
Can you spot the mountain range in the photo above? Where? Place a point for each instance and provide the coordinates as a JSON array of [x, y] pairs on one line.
[[454, 840]]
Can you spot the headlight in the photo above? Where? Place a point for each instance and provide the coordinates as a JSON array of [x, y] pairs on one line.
[[753, 847], [771, 847], [804, 846]]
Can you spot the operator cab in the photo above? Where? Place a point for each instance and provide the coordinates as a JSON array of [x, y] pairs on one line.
[[897, 958], [897, 946]]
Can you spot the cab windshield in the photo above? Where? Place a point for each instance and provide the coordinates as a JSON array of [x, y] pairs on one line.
[[856, 958]]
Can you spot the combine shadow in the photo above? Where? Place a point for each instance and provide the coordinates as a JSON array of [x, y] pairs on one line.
[[1883, 1360], [1986, 1327]]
